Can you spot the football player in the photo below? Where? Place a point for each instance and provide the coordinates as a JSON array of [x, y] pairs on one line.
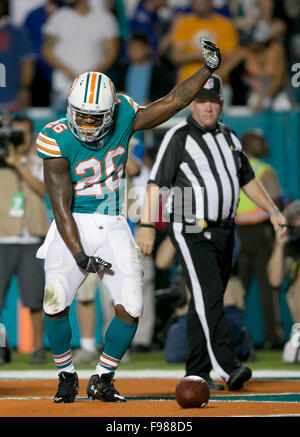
[[84, 160]]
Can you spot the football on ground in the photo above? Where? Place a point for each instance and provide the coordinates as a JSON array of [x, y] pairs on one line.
[[192, 392]]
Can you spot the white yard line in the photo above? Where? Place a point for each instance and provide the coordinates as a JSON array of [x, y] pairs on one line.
[[147, 373]]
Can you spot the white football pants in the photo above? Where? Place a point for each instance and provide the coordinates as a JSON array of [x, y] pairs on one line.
[[108, 237]]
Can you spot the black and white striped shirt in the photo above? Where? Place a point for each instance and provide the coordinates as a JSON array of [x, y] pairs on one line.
[[209, 165]]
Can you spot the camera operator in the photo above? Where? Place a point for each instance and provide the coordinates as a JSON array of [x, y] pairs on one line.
[[24, 222], [285, 264]]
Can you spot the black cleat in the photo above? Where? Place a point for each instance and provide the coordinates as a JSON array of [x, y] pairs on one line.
[[238, 377], [67, 388], [102, 388]]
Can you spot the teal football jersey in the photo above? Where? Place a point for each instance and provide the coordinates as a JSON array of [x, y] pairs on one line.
[[97, 173]]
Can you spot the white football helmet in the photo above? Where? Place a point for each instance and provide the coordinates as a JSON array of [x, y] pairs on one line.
[[92, 93]]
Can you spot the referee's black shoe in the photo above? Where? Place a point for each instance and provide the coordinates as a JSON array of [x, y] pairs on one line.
[[213, 385], [238, 377]]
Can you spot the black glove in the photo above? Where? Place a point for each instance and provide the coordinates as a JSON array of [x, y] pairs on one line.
[[91, 264], [211, 54]]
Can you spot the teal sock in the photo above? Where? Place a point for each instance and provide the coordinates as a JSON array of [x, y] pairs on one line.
[[118, 338], [59, 336]]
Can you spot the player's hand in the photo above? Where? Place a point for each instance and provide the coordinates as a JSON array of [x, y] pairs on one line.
[[91, 264], [211, 55], [145, 240]]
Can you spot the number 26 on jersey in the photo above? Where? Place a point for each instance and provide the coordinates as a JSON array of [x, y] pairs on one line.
[[92, 185]]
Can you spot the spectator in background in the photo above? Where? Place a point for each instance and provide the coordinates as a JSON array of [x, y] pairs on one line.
[[220, 6], [118, 8], [135, 75], [17, 55], [284, 264], [261, 76], [248, 14], [41, 86], [24, 223], [143, 76], [146, 19], [78, 39], [188, 30], [293, 40], [290, 13], [276, 26], [256, 235], [100, 5], [265, 73]]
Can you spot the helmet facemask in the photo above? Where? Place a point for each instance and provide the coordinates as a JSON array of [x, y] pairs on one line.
[[92, 94], [89, 133]]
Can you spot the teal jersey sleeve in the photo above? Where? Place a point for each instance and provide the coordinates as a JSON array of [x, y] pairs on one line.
[[125, 112], [49, 139], [131, 105]]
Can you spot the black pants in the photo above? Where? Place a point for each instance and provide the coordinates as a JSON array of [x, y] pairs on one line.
[[206, 258], [20, 260], [254, 262]]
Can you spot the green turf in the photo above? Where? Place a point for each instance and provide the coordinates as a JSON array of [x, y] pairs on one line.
[[271, 360]]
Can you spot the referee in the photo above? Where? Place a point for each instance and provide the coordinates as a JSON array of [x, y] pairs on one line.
[[202, 162]]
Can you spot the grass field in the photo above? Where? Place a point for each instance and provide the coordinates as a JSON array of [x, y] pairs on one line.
[[270, 360]]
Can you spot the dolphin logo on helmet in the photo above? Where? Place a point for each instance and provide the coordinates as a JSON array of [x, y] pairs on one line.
[[92, 93]]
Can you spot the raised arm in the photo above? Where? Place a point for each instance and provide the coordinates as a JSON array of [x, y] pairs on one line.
[[59, 187], [182, 95]]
